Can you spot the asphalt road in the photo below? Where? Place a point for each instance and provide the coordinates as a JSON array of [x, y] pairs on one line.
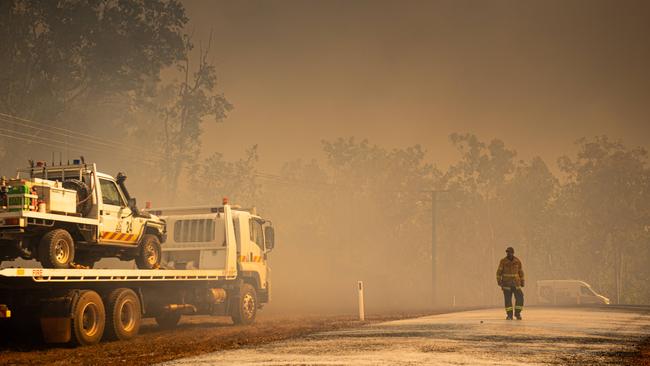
[[555, 336]]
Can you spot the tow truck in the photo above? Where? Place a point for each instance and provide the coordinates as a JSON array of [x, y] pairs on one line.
[[71, 215], [215, 262]]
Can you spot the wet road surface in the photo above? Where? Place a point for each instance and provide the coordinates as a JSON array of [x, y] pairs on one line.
[[561, 336]]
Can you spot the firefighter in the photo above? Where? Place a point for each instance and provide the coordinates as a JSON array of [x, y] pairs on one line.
[[510, 277]]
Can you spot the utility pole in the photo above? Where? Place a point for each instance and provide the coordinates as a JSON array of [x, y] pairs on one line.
[[434, 250], [434, 245], [435, 291]]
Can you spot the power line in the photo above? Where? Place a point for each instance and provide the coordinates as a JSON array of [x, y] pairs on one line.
[[49, 128], [97, 144], [85, 141], [60, 144], [30, 139], [67, 133], [32, 136], [313, 185], [79, 140]]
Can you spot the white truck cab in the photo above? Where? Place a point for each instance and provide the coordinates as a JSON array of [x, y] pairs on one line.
[[62, 215], [196, 239]]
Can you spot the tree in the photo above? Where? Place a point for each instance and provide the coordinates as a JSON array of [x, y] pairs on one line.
[[360, 214], [170, 115], [182, 117], [57, 54], [236, 180], [77, 65], [532, 224], [477, 184], [607, 201]]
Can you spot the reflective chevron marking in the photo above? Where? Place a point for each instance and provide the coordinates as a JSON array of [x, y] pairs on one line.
[[124, 237], [244, 258]]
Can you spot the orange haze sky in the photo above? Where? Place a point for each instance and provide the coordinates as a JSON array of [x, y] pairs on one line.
[[538, 75]]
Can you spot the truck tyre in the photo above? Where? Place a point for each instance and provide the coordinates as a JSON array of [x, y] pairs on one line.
[[168, 320], [84, 201], [243, 306], [56, 249], [149, 252], [88, 319], [123, 314]]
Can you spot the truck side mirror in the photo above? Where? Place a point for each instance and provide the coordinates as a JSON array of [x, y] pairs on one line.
[[269, 237], [132, 204]]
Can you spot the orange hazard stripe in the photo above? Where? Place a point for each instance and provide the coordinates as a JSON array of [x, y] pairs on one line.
[[244, 258], [109, 235]]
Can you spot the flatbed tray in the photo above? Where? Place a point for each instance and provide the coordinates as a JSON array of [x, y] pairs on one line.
[[109, 275]]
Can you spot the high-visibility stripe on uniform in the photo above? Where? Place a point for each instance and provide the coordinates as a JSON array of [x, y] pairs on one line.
[[5, 312], [517, 307], [509, 308]]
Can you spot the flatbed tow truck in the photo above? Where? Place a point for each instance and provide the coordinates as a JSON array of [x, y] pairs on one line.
[[214, 263]]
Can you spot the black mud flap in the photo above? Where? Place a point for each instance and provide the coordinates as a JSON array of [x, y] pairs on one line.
[[55, 319]]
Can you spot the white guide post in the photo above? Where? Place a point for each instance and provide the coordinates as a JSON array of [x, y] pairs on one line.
[[362, 314]]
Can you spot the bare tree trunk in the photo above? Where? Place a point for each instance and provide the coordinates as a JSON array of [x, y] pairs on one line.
[[619, 274], [495, 297], [618, 266]]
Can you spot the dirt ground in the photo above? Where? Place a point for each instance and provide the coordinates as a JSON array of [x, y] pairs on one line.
[[642, 357], [200, 335], [193, 336]]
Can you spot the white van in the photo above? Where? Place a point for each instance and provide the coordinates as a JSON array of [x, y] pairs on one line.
[[567, 292]]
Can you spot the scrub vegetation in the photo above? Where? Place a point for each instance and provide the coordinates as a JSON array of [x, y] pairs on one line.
[[86, 77]]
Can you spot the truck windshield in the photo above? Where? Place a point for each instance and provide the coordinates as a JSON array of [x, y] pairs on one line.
[[110, 194], [257, 235], [586, 291]]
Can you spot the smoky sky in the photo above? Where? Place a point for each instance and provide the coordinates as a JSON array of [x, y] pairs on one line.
[[537, 74]]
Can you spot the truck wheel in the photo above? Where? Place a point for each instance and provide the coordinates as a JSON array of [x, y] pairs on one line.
[[123, 315], [149, 253], [56, 249], [88, 319], [243, 308], [168, 320]]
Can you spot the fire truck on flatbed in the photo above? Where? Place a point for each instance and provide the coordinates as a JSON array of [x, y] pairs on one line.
[[214, 262], [69, 214]]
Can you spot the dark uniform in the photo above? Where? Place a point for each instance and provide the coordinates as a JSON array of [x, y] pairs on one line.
[[510, 277]]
